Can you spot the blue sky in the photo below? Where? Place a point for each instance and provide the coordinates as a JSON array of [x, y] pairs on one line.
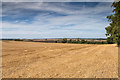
[[55, 19]]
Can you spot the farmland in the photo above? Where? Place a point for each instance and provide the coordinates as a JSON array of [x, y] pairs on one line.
[[58, 60]]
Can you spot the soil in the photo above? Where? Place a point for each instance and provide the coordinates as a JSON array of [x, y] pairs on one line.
[[58, 60]]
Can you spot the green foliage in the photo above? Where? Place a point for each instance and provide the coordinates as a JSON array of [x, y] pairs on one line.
[[18, 40], [113, 30], [110, 40], [64, 40]]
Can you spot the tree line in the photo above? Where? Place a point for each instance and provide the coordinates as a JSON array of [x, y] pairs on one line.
[[78, 41]]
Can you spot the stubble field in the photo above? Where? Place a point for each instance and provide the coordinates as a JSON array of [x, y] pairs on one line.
[[57, 60]]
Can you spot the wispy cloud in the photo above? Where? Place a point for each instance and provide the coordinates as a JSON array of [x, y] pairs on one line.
[[53, 20]]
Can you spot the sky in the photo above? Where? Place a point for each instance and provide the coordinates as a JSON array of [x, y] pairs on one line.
[[35, 20]]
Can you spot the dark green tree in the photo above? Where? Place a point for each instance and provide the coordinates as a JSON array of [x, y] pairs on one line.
[[110, 40], [64, 40], [113, 30]]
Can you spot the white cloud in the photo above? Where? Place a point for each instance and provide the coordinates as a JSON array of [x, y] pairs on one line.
[[88, 22], [62, 8], [83, 29]]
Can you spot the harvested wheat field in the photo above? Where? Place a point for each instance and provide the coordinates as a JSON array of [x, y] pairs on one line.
[[58, 60]]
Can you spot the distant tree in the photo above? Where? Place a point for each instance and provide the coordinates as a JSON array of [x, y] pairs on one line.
[[78, 39], [64, 40], [83, 41], [70, 41], [113, 30], [18, 40]]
